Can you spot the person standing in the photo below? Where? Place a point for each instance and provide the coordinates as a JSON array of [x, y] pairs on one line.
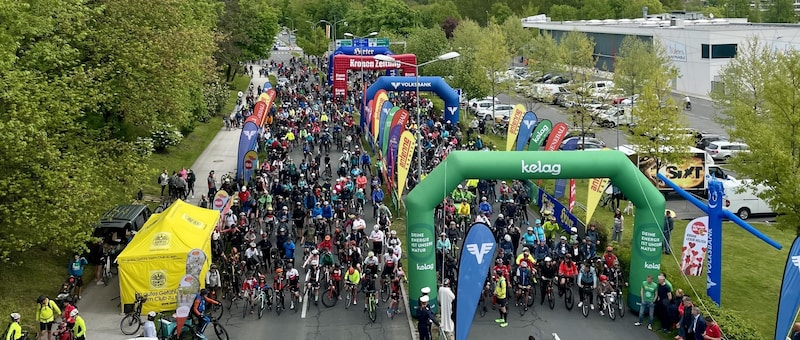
[[669, 224], [698, 326], [795, 331], [648, 294], [425, 318], [190, 179], [446, 300], [714, 333], [45, 315], [663, 300], [75, 269], [212, 185], [619, 226], [163, 180], [500, 292]]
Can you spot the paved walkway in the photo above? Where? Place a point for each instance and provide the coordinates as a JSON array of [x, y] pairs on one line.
[[99, 306]]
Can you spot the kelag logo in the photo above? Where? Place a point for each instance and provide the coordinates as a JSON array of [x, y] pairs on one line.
[[539, 168]]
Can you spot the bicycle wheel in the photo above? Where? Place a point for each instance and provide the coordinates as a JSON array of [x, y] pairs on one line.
[[373, 315], [569, 302], [114, 269], [531, 297], [220, 331], [349, 299], [245, 305], [612, 314], [521, 305], [279, 303], [330, 296], [620, 305], [551, 302], [215, 311], [130, 324], [385, 291], [585, 309], [261, 306], [482, 306], [106, 277]]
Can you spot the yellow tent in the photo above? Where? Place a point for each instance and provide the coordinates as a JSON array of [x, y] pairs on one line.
[[170, 249]]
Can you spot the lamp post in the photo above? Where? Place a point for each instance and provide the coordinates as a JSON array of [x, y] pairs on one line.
[[292, 20], [388, 58], [333, 26]]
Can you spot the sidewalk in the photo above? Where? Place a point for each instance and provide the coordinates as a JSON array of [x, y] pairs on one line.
[[100, 304]]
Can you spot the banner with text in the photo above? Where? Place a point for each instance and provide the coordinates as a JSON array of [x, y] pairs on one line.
[[789, 300], [695, 246], [476, 258], [556, 137], [526, 127], [381, 97], [250, 164], [405, 152], [386, 129], [383, 113], [541, 132], [596, 188], [513, 125], [565, 219]]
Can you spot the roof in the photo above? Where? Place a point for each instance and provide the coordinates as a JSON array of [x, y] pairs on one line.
[[661, 21], [123, 213]]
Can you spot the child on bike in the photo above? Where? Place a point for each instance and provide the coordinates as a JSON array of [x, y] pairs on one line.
[[604, 288]]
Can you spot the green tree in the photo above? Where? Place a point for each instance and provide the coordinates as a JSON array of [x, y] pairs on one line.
[[759, 104], [427, 44], [563, 13], [544, 55], [518, 38], [631, 72], [577, 51], [781, 11], [500, 12], [248, 29], [385, 16], [313, 43], [735, 8], [467, 72], [433, 15], [658, 118], [633, 9], [596, 9], [493, 61]]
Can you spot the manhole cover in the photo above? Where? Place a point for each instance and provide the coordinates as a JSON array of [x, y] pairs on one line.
[[218, 161]]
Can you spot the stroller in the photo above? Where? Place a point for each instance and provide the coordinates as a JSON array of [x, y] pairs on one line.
[[64, 331], [65, 293]]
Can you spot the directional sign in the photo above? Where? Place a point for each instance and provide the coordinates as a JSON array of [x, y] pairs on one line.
[[344, 42], [371, 42]]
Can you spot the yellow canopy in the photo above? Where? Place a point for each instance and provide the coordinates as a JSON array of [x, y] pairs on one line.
[[170, 247]]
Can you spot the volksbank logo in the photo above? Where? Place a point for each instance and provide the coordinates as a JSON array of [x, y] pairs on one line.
[[452, 109], [655, 266], [409, 84], [480, 252], [539, 168], [529, 123]]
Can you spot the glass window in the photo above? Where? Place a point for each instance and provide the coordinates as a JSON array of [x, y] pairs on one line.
[[705, 51], [724, 51]]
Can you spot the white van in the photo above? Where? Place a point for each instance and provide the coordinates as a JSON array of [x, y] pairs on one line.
[[745, 203]]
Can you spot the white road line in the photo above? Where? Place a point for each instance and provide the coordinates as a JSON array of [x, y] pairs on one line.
[[555, 336], [305, 308]]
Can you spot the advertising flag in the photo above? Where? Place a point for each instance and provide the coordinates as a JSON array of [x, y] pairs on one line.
[[259, 110], [386, 128], [366, 117], [526, 127], [269, 100], [541, 132], [566, 220], [571, 194], [556, 137], [476, 258], [560, 188], [375, 114], [789, 300], [596, 188], [398, 126], [695, 246], [247, 141], [513, 125], [250, 164], [384, 112], [405, 152]]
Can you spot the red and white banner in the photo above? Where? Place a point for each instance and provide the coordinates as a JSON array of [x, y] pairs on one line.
[[695, 246], [344, 62], [572, 194], [556, 137]]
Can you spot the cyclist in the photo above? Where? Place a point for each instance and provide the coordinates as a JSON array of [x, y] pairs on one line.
[[312, 279], [79, 329], [587, 282], [149, 327], [541, 251], [278, 282], [45, 314], [609, 258], [14, 331], [500, 290], [213, 280], [264, 286], [249, 289], [368, 286], [394, 299], [548, 272], [371, 264], [377, 236], [485, 208], [314, 257], [523, 279], [326, 259], [253, 256], [566, 270], [604, 288], [529, 239], [198, 310], [354, 253], [390, 261], [359, 227], [464, 212], [293, 278], [500, 266], [526, 257], [352, 279], [326, 244]]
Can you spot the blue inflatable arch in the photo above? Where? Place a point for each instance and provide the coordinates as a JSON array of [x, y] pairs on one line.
[[350, 50], [426, 84]]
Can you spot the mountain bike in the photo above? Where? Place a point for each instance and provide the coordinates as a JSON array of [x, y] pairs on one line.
[[551, 302], [525, 300], [372, 306], [350, 296], [331, 295], [619, 301], [214, 311], [132, 321], [587, 293], [569, 301]]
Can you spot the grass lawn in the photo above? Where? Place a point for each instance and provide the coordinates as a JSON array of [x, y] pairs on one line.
[[42, 271]]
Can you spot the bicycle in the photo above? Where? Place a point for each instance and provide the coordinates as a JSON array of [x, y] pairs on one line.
[[109, 269], [311, 291], [551, 302], [569, 302], [214, 311], [350, 296], [620, 301], [331, 295], [279, 298], [385, 289], [132, 321], [587, 293], [609, 304], [247, 303], [372, 306], [525, 300], [486, 294], [188, 330], [262, 301]]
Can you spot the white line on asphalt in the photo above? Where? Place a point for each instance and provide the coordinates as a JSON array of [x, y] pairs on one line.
[[555, 336], [305, 308]]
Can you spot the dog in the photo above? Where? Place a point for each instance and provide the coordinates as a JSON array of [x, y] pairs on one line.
[[629, 208]]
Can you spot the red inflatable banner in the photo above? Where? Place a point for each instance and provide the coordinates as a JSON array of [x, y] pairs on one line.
[[343, 62]]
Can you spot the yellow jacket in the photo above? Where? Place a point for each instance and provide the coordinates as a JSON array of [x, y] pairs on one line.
[[48, 312], [80, 327]]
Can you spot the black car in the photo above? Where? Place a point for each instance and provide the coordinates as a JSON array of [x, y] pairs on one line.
[[706, 139]]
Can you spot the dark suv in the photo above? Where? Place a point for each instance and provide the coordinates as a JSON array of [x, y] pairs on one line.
[[121, 219]]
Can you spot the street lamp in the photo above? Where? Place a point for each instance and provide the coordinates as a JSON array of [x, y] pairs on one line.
[[351, 35], [443, 57], [292, 20], [363, 83]]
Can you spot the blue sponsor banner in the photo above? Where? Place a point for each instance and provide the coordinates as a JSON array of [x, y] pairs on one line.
[[526, 127], [476, 259], [789, 300], [247, 141], [385, 109], [565, 219], [560, 189]]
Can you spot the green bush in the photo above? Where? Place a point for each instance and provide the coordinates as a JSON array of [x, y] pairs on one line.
[[165, 135], [602, 235], [733, 325]]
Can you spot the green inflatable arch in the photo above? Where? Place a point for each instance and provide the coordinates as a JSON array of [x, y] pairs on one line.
[[461, 165]]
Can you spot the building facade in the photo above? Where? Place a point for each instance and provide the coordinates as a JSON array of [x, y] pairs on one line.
[[699, 48]]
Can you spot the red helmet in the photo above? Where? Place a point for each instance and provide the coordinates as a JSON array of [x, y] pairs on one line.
[[603, 278]]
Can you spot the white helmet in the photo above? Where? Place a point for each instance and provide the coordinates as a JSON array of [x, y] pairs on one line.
[[574, 230], [460, 186], [315, 252], [244, 188], [507, 238], [547, 259], [15, 316], [73, 313], [376, 227], [500, 215], [394, 232]]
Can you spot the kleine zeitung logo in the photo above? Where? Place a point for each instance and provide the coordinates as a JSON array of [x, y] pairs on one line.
[[539, 168]]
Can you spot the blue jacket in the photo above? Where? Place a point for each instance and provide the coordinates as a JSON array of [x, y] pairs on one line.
[[317, 211], [327, 211], [507, 246], [365, 158], [377, 196], [539, 232], [289, 249], [485, 207]]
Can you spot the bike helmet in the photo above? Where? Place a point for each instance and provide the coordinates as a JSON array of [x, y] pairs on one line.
[[574, 230], [279, 270], [603, 278], [73, 313], [15, 316], [524, 264], [460, 186], [213, 266], [315, 252], [327, 237], [499, 215], [151, 316], [547, 259], [394, 232], [244, 188], [499, 261], [538, 221], [376, 227], [530, 228], [483, 198], [351, 270], [370, 254], [41, 299], [507, 238], [525, 249], [203, 292]]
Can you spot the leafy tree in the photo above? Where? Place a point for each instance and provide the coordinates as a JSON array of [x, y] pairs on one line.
[[563, 13], [596, 9], [633, 8], [577, 51], [758, 103], [448, 26], [493, 61], [736, 8], [544, 55], [248, 29], [518, 38], [313, 43], [427, 44], [467, 72], [386, 15], [500, 12], [781, 11], [657, 116], [433, 15], [631, 72]]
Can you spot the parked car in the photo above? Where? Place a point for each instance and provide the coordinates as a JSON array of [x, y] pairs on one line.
[[119, 221], [585, 143], [706, 139], [545, 77], [476, 105], [558, 80], [599, 90], [615, 116], [724, 150], [501, 112]]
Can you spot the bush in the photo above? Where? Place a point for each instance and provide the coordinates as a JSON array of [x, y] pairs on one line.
[[602, 235], [215, 95], [165, 135], [733, 326]]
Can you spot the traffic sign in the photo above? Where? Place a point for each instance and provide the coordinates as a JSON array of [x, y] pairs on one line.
[[344, 42], [371, 42]]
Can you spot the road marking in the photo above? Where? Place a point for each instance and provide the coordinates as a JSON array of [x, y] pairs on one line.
[[305, 308], [555, 336]]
